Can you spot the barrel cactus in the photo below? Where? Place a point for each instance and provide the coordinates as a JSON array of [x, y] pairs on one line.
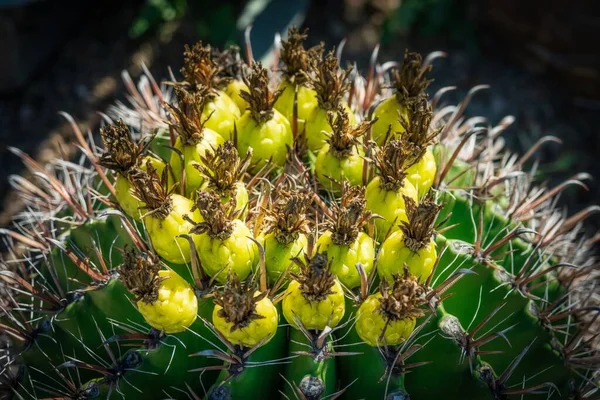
[[195, 250]]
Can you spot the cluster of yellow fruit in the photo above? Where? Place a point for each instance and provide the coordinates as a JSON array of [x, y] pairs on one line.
[[229, 128]]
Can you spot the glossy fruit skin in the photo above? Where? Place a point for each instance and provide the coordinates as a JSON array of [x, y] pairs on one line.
[[316, 124], [312, 314], [163, 232], [241, 200], [370, 323], [236, 253], [128, 203], [233, 89], [349, 168], [278, 255], [394, 254], [268, 140], [191, 156], [388, 204], [344, 258], [422, 174], [176, 307], [256, 330], [388, 113], [224, 114], [307, 102]]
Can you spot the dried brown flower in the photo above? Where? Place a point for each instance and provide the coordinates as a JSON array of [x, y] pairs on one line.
[[139, 274], [238, 302], [315, 278], [421, 219], [287, 217], [261, 98], [349, 217]]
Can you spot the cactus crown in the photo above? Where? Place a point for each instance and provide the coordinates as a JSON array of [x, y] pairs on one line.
[[350, 216], [223, 168], [287, 218], [139, 274], [122, 154], [329, 82], [343, 137], [410, 80], [404, 297], [231, 65], [217, 216], [186, 118], [151, 189], [238, 302], [417, 124], [392, 160], [418, 231], [315, 278], [200, 71], [261, 98], [299, 62]]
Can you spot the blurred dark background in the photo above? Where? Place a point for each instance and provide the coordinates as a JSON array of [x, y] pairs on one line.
[[541, 58]]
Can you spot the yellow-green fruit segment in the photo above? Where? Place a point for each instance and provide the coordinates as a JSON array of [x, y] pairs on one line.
[[268, 140], [255, 331], [278, 255], [191, 156], [344, 258], [394, 255], [233, 89], [237, 253], [128, 203], [176, 307], [422, 174], [313, 314], [329, 166], [389, 205], [223, 113], [316, 126], [307, 102], [388, 114], [370, 324], [164, 233]]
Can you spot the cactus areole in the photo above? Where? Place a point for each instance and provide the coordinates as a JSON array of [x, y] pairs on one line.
[[295, 231]]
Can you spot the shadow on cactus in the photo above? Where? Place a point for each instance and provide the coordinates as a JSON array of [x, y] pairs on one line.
[[206, 251]]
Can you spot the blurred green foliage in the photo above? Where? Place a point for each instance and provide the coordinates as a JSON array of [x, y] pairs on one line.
[[425, 18], [212, 20], [155, 13]]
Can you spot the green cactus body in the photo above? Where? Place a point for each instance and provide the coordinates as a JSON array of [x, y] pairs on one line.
[[314, 375]]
